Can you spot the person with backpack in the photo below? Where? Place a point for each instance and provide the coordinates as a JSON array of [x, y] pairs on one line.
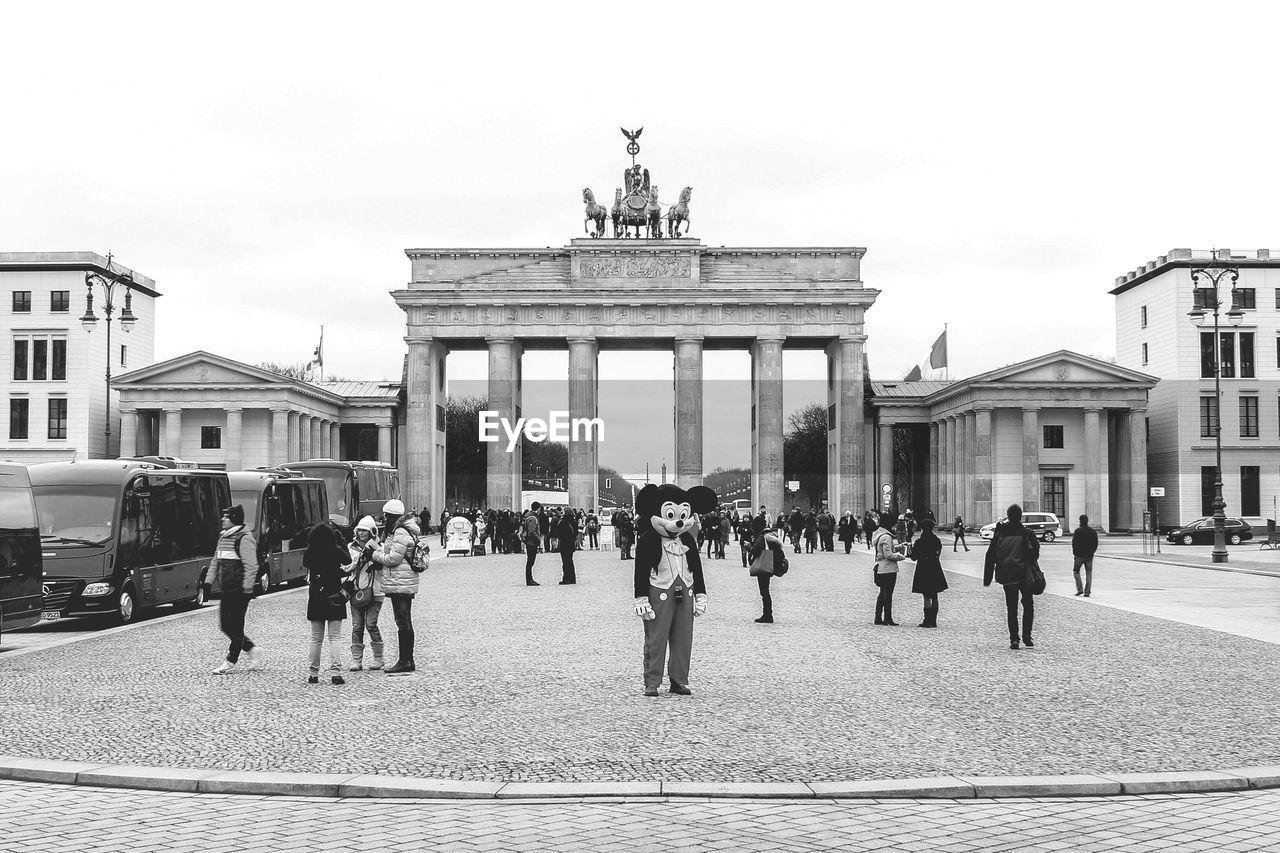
[[929, 579], [234, 570], [531, 534], [957, 531], [1008, 560], [366, 603], [328, 590], [885, 573], [767, 560], [401, 555]]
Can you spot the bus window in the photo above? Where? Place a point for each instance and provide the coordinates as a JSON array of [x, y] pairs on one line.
[[83, 515], [16, 510]]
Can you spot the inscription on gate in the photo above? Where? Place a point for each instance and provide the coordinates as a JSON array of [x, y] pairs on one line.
[[636, 267]]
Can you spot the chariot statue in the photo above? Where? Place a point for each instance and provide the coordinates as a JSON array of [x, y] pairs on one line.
[[636, 210]]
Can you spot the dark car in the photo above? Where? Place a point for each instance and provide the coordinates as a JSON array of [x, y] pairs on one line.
[[1200, 532]]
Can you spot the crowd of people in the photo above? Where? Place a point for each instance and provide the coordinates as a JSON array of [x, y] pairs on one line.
[[384, 559]]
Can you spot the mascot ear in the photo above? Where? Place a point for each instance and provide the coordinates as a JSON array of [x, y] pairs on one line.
[[644, 498], [702, 499]]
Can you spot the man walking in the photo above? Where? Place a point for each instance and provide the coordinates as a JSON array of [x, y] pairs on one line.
[[957, 532], [235, 569], [1084, 544], [1012, 549]]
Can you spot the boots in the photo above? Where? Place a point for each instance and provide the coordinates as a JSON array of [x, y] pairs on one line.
[[930, 617], [405, 663], [378, 662], [767, 616]]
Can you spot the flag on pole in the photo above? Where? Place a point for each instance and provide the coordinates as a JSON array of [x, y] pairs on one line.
[[318, 360], [914, 375], [938, 354]]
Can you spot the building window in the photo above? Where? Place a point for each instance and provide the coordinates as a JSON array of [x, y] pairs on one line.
[[19, 416], [1144, 316], [1208, 416], [20, 360], [1054, 496], [1206, 355], [210, 438], [22, 301], [1227, 355], [1203, 298], [1208, 476], [1144, 353], [59, 346], [58, 417], [39, 358], [1245, 297], [1278, 297], [1246, 355], [124, 356], [1248, 417], [1250, 490], [1053, 436], [60, 300]]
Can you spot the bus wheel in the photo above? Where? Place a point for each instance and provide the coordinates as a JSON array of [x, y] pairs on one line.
[[197, 601], [126, 607], [264, 583]]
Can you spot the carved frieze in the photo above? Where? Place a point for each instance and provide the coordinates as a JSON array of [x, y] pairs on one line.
[[636, 267]]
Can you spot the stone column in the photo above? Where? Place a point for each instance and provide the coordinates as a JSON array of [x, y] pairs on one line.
[[502, 478], [971, 469], [314, 440], [584, 471], [335, 439], [688, 411], [982, 464], [423, 461], [960, 470], [884, 466], [304, 436], [128, 432], [1137, 467], [1031, 458], [384, 443], [1093, 465], [280, 436], [943, 461], [172, 433], [295, 446], [846, 480], [232, 443], [766, 424], [934, 489], [325, 438]]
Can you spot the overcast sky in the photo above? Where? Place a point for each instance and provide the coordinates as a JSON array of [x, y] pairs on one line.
[[268, 163]]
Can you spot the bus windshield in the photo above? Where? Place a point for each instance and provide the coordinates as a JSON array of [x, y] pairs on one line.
[[77, 515], [337, 484], [16, 510]]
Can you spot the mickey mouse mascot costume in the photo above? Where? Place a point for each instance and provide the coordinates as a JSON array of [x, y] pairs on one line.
[[670, 590]]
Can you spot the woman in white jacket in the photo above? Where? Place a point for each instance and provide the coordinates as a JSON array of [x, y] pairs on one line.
[[366, 575]]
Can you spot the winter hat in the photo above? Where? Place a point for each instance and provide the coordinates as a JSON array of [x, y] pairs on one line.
[[234, 513], [367, 523]]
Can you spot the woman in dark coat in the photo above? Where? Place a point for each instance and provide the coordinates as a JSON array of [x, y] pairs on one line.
[[847, 530], [929, 579], [324, 560], [566, 530]]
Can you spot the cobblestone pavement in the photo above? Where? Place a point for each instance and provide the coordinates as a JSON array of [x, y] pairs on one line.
[[54, 818], [543, 684]]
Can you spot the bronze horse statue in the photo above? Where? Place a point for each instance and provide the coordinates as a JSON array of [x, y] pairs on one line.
[[679, 213], [654, 213], [617, 214], [595, 213]]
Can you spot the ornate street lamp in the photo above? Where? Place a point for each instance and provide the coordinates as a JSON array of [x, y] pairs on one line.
[[89, 321], [1206, 296]]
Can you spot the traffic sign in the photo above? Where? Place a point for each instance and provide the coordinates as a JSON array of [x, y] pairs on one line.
[[1157, 491], [887, 489], [793, 485]]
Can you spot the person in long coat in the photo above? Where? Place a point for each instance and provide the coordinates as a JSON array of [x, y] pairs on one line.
[[929, 579], [325, 560], [847, 530], [868, 528], [566, 531]]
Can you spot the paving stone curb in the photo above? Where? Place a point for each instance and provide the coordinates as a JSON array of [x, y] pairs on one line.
[[337, 785], [1133, 558]]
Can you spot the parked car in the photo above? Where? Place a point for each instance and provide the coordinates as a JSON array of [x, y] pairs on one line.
[[1200, 532], [1045, 525]]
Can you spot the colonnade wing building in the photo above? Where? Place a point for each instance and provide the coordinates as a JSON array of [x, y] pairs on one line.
[[668, 294]]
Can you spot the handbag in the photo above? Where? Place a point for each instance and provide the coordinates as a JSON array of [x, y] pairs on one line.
[[758, 563], [364, 595], [1035, 577]]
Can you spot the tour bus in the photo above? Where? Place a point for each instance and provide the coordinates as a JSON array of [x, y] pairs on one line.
[[21, 566], [281, 508], [548, 498], [354, 488], [119, 535], [741, 508]]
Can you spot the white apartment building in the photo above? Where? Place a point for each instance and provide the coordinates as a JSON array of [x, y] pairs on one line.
[[1154, 334], [53, 372]]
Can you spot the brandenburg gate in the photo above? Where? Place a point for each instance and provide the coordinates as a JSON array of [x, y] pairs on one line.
[[641, 290]]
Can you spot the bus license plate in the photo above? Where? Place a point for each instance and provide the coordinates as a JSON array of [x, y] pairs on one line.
[[46, 615]]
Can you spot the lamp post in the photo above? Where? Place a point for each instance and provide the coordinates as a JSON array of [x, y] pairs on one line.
[[89, 321], [1206, 296]]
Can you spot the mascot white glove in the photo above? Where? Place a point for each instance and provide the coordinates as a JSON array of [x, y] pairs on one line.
[[645, 610], [700, 604]]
